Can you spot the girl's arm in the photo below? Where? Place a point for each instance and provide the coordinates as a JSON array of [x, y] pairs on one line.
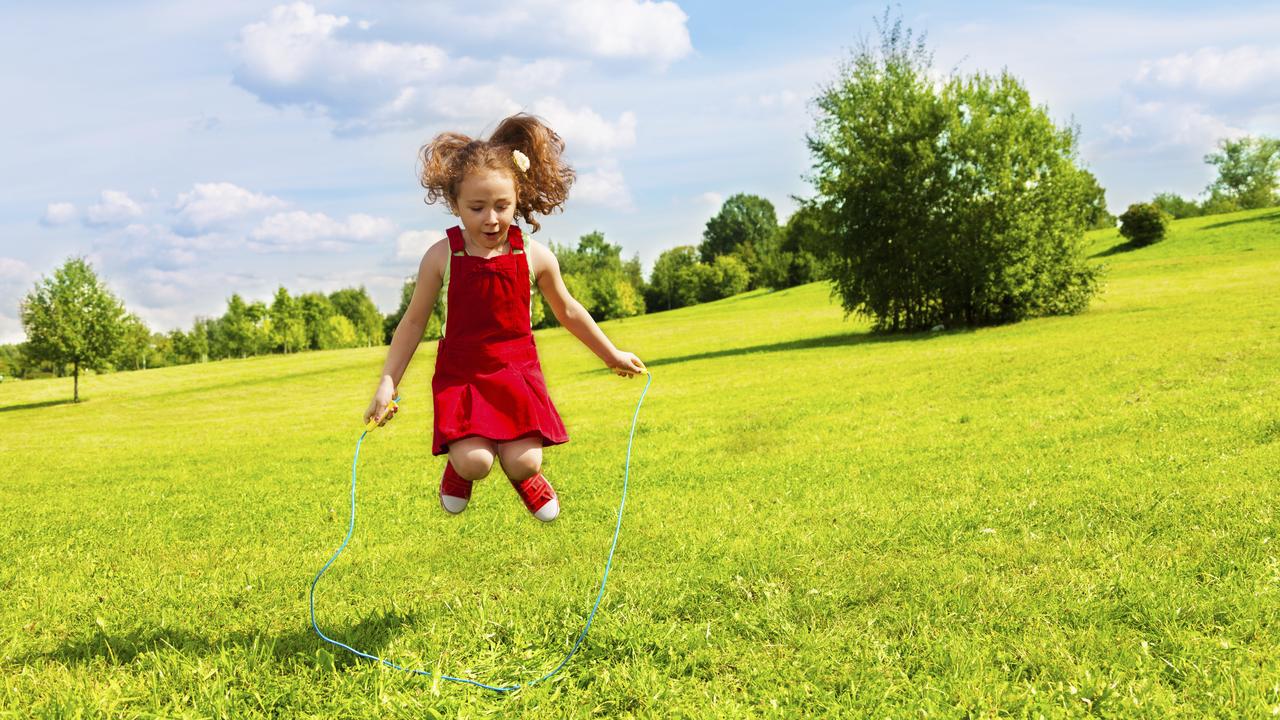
[[575, 318], [409, 332]]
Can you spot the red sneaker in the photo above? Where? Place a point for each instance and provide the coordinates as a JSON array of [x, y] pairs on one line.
[[455, 490], [539, 497]]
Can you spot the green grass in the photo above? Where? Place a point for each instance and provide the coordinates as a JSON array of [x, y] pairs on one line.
[[1066, 516]]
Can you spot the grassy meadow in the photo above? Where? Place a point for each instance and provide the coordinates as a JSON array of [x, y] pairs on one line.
[[1069, 516]]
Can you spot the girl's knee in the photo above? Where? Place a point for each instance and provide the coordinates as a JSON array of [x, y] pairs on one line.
[[522, 463], [470, 460], [471, 467]]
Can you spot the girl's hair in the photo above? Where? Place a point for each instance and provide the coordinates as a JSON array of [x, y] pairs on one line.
[[541, 189]]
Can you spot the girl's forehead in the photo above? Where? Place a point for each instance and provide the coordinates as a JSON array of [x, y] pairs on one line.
[[486, 184]]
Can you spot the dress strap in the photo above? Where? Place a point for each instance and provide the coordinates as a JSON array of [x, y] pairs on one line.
[[455, 239], [515, 237]]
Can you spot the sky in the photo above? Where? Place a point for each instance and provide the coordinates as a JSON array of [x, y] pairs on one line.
[[191, 150]]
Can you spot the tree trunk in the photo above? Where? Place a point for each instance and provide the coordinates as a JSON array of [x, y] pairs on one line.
[[76, 393]]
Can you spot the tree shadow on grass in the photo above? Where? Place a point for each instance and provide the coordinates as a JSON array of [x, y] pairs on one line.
[[1124, 247], [34, 405], [825, 341], [369, 635], [1271, 217]]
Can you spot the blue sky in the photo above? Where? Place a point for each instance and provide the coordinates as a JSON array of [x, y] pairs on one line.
[[192, 150]]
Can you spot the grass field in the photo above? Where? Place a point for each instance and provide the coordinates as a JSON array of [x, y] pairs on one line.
[[1068, 516]]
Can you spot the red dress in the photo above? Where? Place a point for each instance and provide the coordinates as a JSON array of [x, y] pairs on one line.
[[488, 381]]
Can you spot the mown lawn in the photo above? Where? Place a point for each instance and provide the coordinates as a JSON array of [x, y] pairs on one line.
[[1066, 516]]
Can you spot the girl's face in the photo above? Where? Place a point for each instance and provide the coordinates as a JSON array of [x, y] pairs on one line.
[[487, 206]]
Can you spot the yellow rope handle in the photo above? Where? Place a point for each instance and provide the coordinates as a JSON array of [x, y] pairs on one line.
[[373, 421]]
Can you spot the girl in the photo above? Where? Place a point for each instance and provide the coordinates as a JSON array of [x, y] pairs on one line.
[[488, 391]]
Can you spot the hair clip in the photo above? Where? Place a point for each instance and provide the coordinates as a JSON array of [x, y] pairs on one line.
[[521, 160]]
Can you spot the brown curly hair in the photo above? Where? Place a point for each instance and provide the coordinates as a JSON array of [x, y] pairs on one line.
[[542, 189]]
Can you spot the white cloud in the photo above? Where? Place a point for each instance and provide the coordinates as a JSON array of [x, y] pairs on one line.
[[116, 208], [1211, 72], [138, 246], [299, 56], [584, 129], [774, 100], [59, 213], [413, 244], [603, 186], [625, 29], [712, 200], [11, 331], [301, 231], [1155, 125], [213, 205]]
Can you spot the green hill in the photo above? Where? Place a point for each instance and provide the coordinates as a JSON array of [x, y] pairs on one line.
[[1067, 515]]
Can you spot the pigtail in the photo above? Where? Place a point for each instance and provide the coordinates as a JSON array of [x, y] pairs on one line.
[[442, 161], [544, 187]]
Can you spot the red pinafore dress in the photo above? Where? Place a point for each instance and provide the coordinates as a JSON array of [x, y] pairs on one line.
[[488, 381]]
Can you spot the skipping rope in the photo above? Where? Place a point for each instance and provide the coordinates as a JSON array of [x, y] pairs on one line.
[[582, 636]]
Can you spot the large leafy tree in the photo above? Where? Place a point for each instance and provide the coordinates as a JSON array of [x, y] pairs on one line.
[[1247, 169], [946, 202], [72, 318]]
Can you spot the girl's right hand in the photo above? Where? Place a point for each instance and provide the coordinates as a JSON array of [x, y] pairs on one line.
[[381, 400]]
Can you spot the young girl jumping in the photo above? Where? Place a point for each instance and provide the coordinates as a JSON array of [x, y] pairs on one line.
[[489, 395]]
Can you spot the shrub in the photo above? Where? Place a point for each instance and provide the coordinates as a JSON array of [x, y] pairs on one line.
[[1144, 223]]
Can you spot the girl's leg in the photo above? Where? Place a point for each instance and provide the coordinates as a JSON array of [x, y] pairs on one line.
[[472, 457], [469, 460], [521, 459], [522, 462]]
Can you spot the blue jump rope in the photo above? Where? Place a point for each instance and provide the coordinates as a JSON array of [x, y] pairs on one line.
[[373, 423]]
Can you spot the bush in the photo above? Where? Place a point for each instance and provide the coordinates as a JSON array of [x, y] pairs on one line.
[[1144, 223]]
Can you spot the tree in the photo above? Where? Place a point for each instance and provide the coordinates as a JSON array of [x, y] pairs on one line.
[[288, 331], [72, 318], [198, 341], [435, 323], [316, 311], [232, 335], [337, 332], [1096, 197], [355, 305], [955, 202], [744, 225], [669, 282], [1177, 206], [728, 277], [792, 259], [596, 277], [135, 346], [1247, 170], [260, 323]]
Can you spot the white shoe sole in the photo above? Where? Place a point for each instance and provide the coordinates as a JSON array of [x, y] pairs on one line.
[[548, 512], [453, 505]]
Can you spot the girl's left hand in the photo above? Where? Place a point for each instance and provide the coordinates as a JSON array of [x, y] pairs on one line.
[[625, 364]]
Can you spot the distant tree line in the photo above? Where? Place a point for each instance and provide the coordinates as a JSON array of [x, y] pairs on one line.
[[74, 323], [1248, 169]]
